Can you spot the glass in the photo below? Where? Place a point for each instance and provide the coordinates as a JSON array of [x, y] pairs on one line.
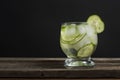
[[78, 41]]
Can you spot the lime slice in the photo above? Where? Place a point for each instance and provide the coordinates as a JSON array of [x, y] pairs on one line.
[[96, 22], [86, 50]]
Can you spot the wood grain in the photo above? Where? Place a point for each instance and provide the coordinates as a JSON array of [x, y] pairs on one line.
[[51, 79], [53, 68]]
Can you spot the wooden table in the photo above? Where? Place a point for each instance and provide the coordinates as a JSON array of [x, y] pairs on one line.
[[53, 69]]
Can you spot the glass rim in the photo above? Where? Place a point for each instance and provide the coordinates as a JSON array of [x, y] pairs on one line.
[[72, 23]]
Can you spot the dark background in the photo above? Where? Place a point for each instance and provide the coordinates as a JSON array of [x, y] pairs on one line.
[[31, 28]]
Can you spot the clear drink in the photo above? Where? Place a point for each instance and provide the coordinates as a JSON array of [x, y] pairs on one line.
[[78, 40]]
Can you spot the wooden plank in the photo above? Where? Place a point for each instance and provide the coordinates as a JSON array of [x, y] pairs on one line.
[[54, 68], [50, 79]]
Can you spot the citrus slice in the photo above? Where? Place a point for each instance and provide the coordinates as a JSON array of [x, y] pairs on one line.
[[96, 22]]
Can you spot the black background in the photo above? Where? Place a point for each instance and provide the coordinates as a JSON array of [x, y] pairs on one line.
[[31, 28]]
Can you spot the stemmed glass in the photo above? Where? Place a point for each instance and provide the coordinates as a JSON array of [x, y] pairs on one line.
[[78, 41]]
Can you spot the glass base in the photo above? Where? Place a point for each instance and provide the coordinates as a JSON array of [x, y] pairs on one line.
[[82, 62]]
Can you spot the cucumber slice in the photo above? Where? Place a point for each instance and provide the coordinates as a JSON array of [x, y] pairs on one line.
[[69, 32], [96, 22], [86, 50], [75, 40]]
